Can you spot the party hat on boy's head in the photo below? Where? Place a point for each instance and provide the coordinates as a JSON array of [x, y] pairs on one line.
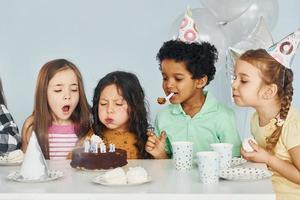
[[187, 30], [284, 51], [34, 166]]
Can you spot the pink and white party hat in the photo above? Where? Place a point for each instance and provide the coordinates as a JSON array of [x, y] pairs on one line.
[[187, 30], [284, 51]]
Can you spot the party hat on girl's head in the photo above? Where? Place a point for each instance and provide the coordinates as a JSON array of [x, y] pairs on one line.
[[284, 51], [34, 166], [187, 30]]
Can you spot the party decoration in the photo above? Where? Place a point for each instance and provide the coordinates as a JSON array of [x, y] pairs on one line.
[[187, 30], [227, 10], [209, 31], [34, 166], [284, 51], [259, 38], [242, 26]]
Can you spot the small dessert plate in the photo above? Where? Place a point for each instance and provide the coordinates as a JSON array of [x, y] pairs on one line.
[[11, 158], [245, 173], [237, 161], [92, 170], [100, 180], [53, 175], [9, 163]]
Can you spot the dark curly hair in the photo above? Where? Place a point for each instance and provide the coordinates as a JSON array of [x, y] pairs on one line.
[[199, 58], [133, 93]]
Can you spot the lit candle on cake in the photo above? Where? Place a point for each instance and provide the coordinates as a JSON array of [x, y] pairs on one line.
[[95, 141], [102, 148], [112, 148], [86, 145]]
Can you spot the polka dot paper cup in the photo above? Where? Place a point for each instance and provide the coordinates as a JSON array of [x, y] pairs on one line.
[[208, 166], [225, 153], [183, 155]]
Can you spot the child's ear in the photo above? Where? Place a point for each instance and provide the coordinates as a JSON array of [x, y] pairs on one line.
[[270, 91], [201, 82]]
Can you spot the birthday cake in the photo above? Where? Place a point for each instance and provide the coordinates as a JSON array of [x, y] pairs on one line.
[[92, 157]]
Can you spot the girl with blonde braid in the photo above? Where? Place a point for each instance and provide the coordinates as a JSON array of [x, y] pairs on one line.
[[264, 83]]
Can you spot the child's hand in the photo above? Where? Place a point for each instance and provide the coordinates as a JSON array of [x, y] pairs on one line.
[[259, 154], [156, 145]]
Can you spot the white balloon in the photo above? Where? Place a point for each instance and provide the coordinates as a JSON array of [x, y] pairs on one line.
[[243, 25], [227, 10], [260, 37]]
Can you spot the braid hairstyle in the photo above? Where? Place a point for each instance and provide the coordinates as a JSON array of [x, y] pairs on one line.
[[273, 73], [286, 100]]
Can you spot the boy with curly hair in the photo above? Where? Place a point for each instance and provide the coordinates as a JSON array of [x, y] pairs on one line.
[[194, 114]]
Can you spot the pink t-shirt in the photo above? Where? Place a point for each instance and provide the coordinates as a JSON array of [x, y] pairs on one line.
[[62, 139]]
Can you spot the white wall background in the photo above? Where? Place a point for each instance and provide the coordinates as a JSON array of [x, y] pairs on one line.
[[99, 37]]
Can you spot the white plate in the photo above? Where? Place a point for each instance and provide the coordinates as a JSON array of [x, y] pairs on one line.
[[245, 173], [53, 174], [237, 161], [11, 158], [92, 170], [6, 163], [101, 181]]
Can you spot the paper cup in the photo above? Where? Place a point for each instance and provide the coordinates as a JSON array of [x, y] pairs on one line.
[[183, 155], [225, 153], [208, 166]]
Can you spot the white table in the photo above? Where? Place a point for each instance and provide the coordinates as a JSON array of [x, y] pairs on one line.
[[167, 184]]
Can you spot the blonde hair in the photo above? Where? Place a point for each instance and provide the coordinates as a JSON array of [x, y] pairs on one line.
[[273, 73]]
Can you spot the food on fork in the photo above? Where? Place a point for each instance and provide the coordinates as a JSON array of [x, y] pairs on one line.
[[163, 100]]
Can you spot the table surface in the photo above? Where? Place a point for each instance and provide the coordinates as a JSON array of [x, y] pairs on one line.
[[167, 183]]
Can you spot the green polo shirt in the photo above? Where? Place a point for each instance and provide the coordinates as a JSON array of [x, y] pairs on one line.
[[214, 123]]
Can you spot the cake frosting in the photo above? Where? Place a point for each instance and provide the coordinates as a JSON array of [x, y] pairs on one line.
[[107, 160], [136, 175], [15, 156], [116, 176], [95, 155]]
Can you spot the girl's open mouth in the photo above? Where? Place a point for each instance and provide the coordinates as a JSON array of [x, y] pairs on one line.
[[66, 108]]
